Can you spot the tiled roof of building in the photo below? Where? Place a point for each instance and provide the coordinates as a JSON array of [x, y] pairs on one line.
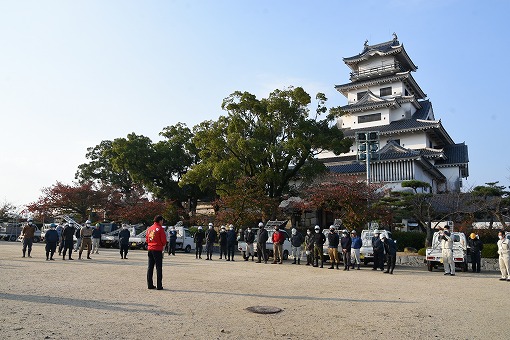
[[455, 154], [348, 168]]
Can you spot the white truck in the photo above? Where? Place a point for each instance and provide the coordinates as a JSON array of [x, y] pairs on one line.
[[367, 251], [184, 239], [270, 227], [434, 257]]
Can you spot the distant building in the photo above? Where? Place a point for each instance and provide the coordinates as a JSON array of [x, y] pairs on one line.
[[383, 97]]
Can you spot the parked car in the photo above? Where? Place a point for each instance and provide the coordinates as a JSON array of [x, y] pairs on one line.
[[434, 257], [366, 250]]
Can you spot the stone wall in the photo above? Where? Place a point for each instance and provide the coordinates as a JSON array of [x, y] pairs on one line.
[[414, 260]]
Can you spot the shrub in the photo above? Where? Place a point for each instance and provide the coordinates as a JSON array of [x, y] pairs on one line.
[[409, 239], [490, 251], [422, 251]]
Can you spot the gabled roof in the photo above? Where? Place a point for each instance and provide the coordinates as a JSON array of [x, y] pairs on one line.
[[455, 154], [405, 77], [370, 101], [392, 47]]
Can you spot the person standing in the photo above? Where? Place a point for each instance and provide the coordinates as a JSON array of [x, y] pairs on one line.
[[346, 244], [51, 238], [390, 248], [333, 242], [378, 250], [223, 242], [278, 238], [210, 238], [78, 237], [124, 235], [231, 243], [96, 238], [172, 237], [309, 247], [355, 249], [68, 236], [475, 249], [249, 238], [199, 240], [156, 241], [504, 256], [28, 232], [59, 230], [296, 240], [447, 251], [262, 237], [86, 239], [318, 243]]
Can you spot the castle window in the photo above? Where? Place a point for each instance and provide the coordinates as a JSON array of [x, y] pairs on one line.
[[369, 118], [385, 91], [361, 94]]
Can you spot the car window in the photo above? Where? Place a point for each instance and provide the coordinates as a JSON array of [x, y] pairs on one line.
[[187, 233], [456, 238]]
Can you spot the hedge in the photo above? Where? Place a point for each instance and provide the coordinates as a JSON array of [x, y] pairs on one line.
[[490, 251], [409, 239]]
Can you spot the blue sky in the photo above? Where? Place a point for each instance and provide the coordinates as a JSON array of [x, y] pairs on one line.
[[74, 73]]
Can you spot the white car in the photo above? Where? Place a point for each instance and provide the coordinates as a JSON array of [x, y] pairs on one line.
[[366, 250], [434, 257]]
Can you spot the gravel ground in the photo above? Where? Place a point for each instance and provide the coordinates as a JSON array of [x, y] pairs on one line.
[[107, 298]]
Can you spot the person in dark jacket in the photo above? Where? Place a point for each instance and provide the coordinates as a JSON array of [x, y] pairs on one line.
[[124, 235], [223, 242], [231, 243], [210, 238], [475, 248], [346, 243], [262, 237], [51, 238], [296, 240], [249, 238], [309, 247], [318, 242], [199, 240], [378, 249], [333, 242], [77, 234], [172, 240], [67, 235], [390, 248]]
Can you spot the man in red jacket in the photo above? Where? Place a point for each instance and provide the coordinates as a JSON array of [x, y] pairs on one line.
[[156, 241], [278, 238]]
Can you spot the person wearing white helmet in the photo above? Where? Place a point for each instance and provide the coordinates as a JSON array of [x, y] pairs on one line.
[[378, 250], [172, 240], [262, 237], [199, 241], [231, 242], [249, 238], [51, 239], [390, 248], [447, 251], [223, 242], [296, 240], [318, 243], [86, 239], [210, 238], [28, 232]]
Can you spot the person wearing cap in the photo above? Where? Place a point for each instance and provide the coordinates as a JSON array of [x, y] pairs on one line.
[[223, 241], [199, 240], [172, 240], [262, 237], [378, 250], [296, 240], [231, 243], [309, 247], [249, 238], [156, 241], [390, 248], [333, 242], [96, 238], [504, 256], [475, 248], [51, 239], [28, 232], [86, 239], [68, 237], [210, 238], [355, 249], [124, 236], [278, 238], [318, 244], [447, 251], [346, 243]]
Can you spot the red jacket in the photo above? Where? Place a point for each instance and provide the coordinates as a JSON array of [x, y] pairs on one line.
[[156, 238], [278, 237]]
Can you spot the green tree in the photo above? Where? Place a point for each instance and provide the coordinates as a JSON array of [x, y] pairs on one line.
[[494, 199], [273, 139]]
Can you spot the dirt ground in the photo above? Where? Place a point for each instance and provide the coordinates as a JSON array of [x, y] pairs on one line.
[[107, 298]]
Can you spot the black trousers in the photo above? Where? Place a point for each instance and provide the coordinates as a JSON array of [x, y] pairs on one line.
[[198, 250], [475, 261], [171, 247], [68, 245], [378, 261], [231, 248], [50, 249], [124, 249], [223, 250], [261, 251], [390, 262], [209, 248], [155, 259], [27, 242]]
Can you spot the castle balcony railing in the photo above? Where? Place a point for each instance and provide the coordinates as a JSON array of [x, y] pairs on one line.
[[376, 71]]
